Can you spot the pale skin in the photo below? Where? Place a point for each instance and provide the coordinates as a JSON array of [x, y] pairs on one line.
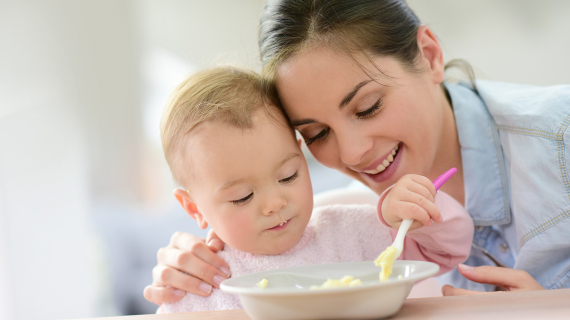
[[352, 124]]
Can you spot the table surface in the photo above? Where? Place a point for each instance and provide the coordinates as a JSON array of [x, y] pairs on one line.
[[545, 304]]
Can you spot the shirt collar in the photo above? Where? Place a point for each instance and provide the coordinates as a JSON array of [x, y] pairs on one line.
[[486, 185]]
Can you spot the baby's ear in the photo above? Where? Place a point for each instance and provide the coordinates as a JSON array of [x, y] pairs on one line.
[[190, 207]]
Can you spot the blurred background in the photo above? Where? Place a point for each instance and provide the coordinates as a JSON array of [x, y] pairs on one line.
[[85, 194]]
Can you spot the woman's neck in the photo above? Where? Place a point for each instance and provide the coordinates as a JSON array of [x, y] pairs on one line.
[[449, 154]]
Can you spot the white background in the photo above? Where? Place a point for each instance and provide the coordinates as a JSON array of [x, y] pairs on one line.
[[85, 195]]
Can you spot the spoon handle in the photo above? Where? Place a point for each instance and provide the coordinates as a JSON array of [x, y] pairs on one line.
[[399, 240], [439, 181]]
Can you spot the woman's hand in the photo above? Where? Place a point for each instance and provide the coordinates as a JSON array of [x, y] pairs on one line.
[[412, 197], [508, 279], [187, 264]]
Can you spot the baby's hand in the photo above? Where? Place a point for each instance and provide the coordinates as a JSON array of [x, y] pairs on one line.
[[412, 197]]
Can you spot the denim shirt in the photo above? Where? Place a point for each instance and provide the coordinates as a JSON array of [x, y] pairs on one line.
[[514, 147]]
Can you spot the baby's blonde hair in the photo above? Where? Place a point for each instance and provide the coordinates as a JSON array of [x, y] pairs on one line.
[[227, 94]]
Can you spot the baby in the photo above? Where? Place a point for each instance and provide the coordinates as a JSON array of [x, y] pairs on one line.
[[241, 169]]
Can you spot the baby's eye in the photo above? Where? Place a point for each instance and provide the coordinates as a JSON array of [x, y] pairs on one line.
[[243, 200], [290, 178]]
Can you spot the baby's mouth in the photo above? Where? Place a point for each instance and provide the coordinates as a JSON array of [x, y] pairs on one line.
[[386, 162], [281, 225]]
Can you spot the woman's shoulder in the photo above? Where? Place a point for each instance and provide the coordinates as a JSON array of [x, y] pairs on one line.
[[521, 106]]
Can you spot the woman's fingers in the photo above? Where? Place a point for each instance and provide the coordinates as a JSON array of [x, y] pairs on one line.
[[190, 246], [448, 290], [510, 279], [160, 295], [165, 276], [199, 263], [187, 264], [214, 242]]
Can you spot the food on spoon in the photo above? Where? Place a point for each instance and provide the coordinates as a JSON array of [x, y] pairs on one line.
[[346, 281], [263, 283], [385, 261]]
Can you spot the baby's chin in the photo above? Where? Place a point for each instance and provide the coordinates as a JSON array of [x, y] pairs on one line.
[[273, 246]]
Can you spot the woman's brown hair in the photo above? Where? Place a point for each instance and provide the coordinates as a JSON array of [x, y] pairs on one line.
[[376, 27]]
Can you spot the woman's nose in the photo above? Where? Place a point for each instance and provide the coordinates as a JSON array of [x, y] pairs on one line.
[[352, 147]]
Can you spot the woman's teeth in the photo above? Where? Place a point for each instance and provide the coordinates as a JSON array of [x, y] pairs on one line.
[[381, 167]]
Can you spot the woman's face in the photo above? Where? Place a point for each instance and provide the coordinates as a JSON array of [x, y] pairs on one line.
[[373, 128]]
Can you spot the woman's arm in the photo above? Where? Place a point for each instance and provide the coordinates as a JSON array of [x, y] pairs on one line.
[[187, 264], [508, 279]]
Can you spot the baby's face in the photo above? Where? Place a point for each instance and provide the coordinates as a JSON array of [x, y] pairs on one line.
[[252, 186]]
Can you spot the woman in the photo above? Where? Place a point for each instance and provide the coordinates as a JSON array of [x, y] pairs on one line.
[[360, 78]]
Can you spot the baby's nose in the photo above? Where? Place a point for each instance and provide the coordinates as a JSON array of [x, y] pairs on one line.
[[274, 204]]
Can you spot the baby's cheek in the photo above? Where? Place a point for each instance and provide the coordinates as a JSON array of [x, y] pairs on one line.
[[240, 233]]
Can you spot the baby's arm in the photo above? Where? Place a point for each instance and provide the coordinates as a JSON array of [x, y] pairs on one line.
[[446, 243]]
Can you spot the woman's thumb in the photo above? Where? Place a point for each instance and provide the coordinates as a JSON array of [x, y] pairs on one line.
[[213, 241]]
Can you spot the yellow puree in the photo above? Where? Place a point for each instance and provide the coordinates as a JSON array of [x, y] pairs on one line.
[[385, 261], [262, 283], [346, 281]]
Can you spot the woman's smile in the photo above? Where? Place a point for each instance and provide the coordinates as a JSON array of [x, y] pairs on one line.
[[381, 164], [384, 167]]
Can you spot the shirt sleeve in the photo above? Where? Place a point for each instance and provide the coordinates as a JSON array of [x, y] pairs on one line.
[[447, 243]]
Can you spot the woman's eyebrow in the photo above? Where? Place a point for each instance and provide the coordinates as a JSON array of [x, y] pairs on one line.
[[346, 100], [296, 123], [352, 93]]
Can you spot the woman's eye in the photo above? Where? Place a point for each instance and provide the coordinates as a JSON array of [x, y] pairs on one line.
[[290, 178], [243, 200], [320, 135], [370, 112]]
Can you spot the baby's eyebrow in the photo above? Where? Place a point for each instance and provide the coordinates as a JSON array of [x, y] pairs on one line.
[[231, 184], [290, 156]]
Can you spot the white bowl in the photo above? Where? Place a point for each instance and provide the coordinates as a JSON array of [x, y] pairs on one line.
[[288, 294]]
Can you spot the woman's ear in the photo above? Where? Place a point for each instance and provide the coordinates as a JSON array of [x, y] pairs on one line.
[[190, 207], [431, 53]]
